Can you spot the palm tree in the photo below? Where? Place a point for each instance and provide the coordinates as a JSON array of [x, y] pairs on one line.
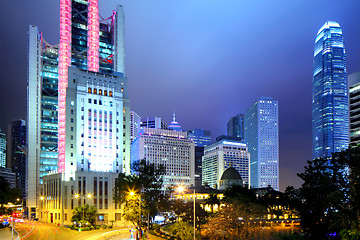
[[212, 200]]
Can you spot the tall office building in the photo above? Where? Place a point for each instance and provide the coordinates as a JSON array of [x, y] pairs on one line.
[[262, 138], [87, 42], [330, 107], [221, 155], [170, 148], [201, 139], [354, 92], [134, 125], [235, 126], [2, 150], [16, 152]]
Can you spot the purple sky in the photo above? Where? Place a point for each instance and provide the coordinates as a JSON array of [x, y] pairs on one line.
[[207, 60]]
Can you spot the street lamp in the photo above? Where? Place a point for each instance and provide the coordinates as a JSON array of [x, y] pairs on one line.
[[181, 189], [132, 194]]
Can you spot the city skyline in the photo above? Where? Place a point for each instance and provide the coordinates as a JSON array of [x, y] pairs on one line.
[[169, 56]]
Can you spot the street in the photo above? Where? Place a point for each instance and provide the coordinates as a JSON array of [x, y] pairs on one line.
[[30, 230]]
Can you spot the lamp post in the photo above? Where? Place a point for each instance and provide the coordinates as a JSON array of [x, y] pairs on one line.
[[181, 190], [83, 197], [132, 194]]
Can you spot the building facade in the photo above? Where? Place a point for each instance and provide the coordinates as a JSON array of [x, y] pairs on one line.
[[9, 176], [354, 94], [220, 156], [16, 153], [170, 148], [330, 107], [2, 150], [262, 138], [87, 42], [152, 122], [134, 125], [235, 126]]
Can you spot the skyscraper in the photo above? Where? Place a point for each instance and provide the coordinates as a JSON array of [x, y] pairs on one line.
[[96, 46], [235, 126], [330, 109], [2, 150], [354, 91], [262, 138], [201, 139], [16, 149]]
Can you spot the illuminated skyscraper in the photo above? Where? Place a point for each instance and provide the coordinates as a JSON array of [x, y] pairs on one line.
[[94, 45], [2, 150], [262, 138], [330, 107]]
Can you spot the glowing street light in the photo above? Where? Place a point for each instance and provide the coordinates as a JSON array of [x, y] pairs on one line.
[[181, 189]]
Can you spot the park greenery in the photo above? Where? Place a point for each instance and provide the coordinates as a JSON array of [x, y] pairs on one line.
[[328, 204]]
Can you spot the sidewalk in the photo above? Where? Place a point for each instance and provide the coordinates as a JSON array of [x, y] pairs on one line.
[[5, 234]]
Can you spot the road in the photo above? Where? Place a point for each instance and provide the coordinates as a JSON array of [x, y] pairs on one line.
[[30, 230]]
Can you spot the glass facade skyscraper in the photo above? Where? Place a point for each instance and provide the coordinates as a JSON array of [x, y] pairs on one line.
[[262, 138], [235, 126], [330, 107]]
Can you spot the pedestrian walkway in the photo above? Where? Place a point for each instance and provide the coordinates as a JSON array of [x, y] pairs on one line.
[[5, 234]]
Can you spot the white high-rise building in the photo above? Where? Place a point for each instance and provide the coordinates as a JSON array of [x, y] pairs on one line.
[[221, 155], [262, 138], [170, 148], [78, 112]]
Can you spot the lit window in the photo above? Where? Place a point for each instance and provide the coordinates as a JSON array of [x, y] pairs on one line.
[[89, 90], [95, 91], [105, 92], [100, 92], [110, 94]]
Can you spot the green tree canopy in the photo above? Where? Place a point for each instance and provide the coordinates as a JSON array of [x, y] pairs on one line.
[[85, 213]]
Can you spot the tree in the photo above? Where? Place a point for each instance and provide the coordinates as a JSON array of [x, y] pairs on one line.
[[182, 230], [85, 214], [147, 183], [235, 220], [7, 194], [331, 194], [212, 200]]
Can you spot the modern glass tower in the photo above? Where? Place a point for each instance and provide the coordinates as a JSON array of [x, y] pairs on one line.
[[262, 138], [235, 126], [330, 107]]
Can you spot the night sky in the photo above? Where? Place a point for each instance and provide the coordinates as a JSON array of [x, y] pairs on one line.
[[207, 60]]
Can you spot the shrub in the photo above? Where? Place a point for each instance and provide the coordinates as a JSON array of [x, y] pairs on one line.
[[104, 226], [110, 226]]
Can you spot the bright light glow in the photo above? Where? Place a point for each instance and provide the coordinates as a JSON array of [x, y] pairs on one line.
[[41, 198], [76, 195], [180, 189], [89, 196], [131, 193], [64, 63], [234, 143], [93, 36]]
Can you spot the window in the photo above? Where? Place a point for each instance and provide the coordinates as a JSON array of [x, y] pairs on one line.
[[100, 92], [89, 100], [110, 94], [105, 92], [95, 101], [89, 90], [95, 91]]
